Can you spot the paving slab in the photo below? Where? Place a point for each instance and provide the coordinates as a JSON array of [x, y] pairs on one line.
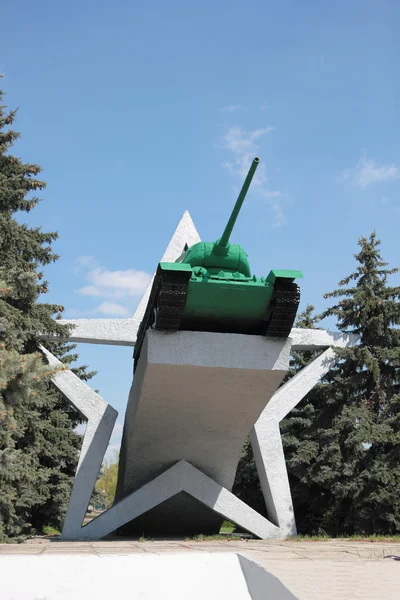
[[321, 570]]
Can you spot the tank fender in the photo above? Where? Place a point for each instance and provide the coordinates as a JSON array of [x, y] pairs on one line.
[[180, 267], [277, 274]]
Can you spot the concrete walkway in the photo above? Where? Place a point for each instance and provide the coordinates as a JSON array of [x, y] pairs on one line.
[[310, 570]]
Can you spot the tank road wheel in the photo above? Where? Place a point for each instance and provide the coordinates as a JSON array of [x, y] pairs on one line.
[[165, 306], [285, 303]]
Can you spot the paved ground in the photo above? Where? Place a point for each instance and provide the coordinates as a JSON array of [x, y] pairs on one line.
[[331, 570]]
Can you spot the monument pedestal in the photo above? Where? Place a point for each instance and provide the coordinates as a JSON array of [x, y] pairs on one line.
[[195, 397], [224, 393]]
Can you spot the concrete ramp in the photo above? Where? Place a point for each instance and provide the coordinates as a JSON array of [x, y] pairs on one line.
[[148, 577], [195, 397]]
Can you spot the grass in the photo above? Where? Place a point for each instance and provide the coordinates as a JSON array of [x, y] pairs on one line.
[[49, 530], [227, 527], [227, 530]]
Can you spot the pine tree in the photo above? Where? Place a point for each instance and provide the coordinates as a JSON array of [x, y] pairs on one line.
[[357, 466], [21, 377], [297, 447], [342, 442], [299, 436], [44, 433]]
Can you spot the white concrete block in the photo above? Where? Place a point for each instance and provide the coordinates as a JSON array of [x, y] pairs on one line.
[[179, 576], [195, 397], [109, 332], [312, 339], [182, 477], [267, 446], [101, 419], [178, 351], [218, 350]]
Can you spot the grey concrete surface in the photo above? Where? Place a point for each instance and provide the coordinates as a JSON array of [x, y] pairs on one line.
[[195, 397], [122, 332], [267, 444], [101, 419], [180, 480], [108, 332], [170, 577], [328, 570], [265, 436]]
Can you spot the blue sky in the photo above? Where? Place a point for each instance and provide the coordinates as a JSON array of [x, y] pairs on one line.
[[138, 111]]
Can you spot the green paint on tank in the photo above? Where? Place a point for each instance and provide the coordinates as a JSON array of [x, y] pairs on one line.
[[210, 288]]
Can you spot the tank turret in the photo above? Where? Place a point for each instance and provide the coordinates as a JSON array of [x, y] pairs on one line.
[[221, 255], [210, 288]]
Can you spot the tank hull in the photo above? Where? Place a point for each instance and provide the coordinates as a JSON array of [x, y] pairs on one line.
[[183, 298], [227, 306]]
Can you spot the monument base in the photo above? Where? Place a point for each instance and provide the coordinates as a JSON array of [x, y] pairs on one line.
[[150, 576], [180, 516], [195, 397]]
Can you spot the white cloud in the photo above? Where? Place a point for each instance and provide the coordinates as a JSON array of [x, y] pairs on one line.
[[121, 285], [233, 108], [89, 290], [279, 218], [85, 261], [243, 146], [115, 284], [113, 309], [240, 141], [367, 172], [271, 193]]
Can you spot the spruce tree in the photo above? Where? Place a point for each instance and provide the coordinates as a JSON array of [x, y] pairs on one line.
[[358, 467], [44, 426], [22, 378], [342, 441], [297, 445], [299, 435]]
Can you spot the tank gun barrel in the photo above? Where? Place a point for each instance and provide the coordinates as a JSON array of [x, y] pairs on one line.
[[236, 209]]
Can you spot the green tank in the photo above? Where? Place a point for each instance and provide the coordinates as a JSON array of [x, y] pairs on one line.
[[210, 288]]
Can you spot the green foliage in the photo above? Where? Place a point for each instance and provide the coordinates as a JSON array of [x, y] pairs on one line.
[[342, 442], [247, 485], [99, 499], [364, 406], [48, 530], [38, 445], [21, 473], [107, 481]]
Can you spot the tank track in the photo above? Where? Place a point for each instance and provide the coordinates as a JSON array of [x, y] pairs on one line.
[[165, 306], [284, 309]]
